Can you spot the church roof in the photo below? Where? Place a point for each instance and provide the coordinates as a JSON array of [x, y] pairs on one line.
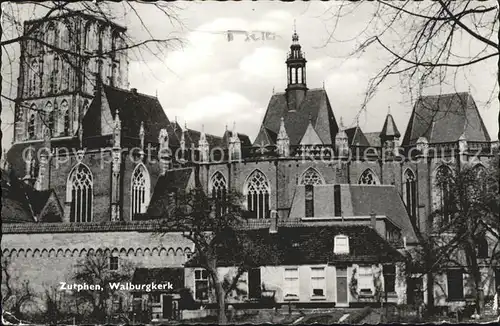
[[194, 138], [266, 136], [389, 129], [373, 199], [294, 245], [310, 136], [15, 203], [444, 118], [315, 105], [373, 138], [356, 136], [244, 139]]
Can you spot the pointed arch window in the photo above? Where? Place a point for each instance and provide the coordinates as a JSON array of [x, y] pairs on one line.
[[51, 35], [257, 191], [80, 194], [309, 179], [442, 193], [218, 187], [368, 178], [65, 118], [141, 189], [49, 113], [480, 175], [410, 193]]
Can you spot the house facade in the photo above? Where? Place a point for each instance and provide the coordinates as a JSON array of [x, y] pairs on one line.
[[96, 166]]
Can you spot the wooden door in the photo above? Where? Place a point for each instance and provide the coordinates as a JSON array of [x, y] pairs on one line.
[[167, 306], [342, 286], [254, 281]]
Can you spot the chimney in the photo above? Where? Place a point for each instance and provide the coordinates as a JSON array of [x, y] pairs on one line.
[[273, 228], [133, 90], [373, 220]]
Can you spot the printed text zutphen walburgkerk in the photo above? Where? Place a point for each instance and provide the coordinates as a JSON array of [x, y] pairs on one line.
[[128, 286]]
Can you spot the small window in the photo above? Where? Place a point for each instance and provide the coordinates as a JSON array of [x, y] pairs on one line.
[[155, 298], [201, 284], [31, 127], [113, 263], [318, 283], [291, 288], [455, 282], [341, 244], [389, 278], [336, 200]]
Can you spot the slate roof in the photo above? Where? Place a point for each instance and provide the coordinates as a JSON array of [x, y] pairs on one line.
[[173, 181], [309, 245], [193, 137], [315, 106], [161, 275], [390, 129], [266, 136], [444, 118], [244, 139], [136, 107], [373, 138], [15, 204], [310, 137], [355, 136], [366, 199]]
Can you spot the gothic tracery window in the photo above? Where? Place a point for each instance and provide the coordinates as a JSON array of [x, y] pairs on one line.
[[311, 177], [50, 36], [80, 194], [65, 118], [257, 191], [219, 191], [140, 189], [31, 127], [442, 198], [410, 193], [368, 178], [49, 113]]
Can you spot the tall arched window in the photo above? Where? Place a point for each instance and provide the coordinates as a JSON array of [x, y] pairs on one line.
[[218, 186], [442, 193], [479, 172], [34, 78], [90, 37], [368, 178], [49, 114], [31, 127], [141, 189], [50, 36], [80, 194], [257, 191], [410, 193], [309, 179]]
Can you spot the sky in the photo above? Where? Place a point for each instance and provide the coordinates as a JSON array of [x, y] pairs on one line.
[[212, 83]]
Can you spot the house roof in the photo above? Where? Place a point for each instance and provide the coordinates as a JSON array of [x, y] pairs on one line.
[[355, 136], [173, 181], [389, 129], [373, 138], [315, 106], [367, 199], [444, 118], [308, 245], [162, 275]]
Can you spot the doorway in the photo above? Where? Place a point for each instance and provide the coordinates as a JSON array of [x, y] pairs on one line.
[[342, 299], [167, 306], [254, 281]]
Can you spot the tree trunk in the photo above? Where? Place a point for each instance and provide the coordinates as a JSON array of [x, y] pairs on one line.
[[221, 302], [470, 251], [430, 294]]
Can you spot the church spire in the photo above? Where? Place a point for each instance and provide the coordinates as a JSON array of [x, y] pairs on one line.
[[296, 74]]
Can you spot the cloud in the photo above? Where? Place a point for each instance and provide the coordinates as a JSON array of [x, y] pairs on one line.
[[263, 62]]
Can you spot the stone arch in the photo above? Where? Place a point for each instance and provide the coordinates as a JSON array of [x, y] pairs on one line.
[[131, 252], [45, 253], [114, 251], [83, 252], [257, 191], [368, 177], [171, 252], [67, 253], [155, 252], [147, 252], [60, 253], [75, 253], [29, 253], [179, 252], [21, 253], [13, 253], [52, 252], [99, 252], [163, 252], [91, 252], [36, 253], [138, 252], [311, 176], [123, 252], [107, 252]]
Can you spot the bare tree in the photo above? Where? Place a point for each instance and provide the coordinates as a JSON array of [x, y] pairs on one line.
[[425, 40], [15, 293], [214, 225], [469, 214], [95, 269], [141, 46]]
